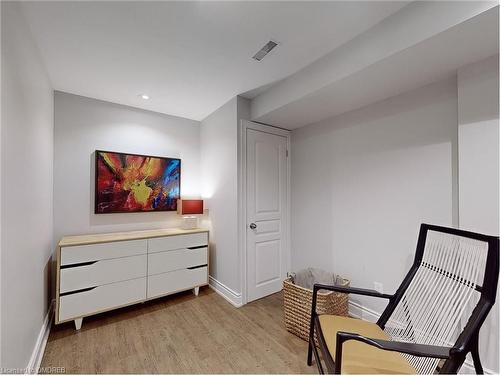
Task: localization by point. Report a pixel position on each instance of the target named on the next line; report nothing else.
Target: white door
(266, 210)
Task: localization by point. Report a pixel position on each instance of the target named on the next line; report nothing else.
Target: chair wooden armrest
(341, 289)
(350, 290)
(419, 350)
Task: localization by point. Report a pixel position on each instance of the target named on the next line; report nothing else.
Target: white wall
(26, 189)
(219, 170)
(478, 142)
(364, 181)
(479, 165)
(83, 125)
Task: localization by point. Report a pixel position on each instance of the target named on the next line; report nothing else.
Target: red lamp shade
(190, 206)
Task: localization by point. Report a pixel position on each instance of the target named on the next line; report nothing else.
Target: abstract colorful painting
(135, 183)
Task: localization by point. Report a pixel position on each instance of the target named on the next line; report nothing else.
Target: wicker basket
(297, 305)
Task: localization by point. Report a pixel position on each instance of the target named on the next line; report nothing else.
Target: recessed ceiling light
(144, 96)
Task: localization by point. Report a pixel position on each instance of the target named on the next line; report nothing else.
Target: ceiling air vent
(264, 50)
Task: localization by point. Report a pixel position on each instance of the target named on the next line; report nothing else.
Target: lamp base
(189, 222)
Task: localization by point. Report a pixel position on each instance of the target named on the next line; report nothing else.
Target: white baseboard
(468, 368)
(230, 295)
(41, 342)
(359, 311)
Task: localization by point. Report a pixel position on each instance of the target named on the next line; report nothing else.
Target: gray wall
(479, 164)
(26, 190)
(219, 169)
(363, 182)
(83, 125)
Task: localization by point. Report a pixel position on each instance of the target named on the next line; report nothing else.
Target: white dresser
(101, 272)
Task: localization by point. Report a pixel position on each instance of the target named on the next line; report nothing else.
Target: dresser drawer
(177, 242)
(89, 253)
(175, 281)
(102, 272)
(176, 259)
(101, 298)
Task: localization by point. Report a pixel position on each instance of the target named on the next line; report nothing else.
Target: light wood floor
(181, 334)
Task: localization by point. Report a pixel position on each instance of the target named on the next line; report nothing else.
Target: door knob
(253, 226)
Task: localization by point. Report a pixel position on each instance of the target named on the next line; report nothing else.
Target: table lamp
(187, 208)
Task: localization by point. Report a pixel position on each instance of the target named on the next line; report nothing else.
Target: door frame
(242, 198)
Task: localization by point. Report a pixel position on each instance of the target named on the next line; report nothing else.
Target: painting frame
(96, 189)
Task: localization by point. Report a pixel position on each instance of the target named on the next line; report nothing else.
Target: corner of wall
(28, 125)
(243, 107)
(219, 149)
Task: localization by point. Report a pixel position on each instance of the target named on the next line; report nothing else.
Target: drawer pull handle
(195, 267)
(79, 264)
(196, 247)
(77, 291)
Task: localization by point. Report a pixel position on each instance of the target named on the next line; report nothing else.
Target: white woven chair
(453, 279)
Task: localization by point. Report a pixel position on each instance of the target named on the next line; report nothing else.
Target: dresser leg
(196, 290)
(78, 323)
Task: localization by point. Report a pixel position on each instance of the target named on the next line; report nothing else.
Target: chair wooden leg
(309, 353)
(475, 355)
(311, 335)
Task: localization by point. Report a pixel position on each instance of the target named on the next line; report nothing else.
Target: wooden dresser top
(89, 239)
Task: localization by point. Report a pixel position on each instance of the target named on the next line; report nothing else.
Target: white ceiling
(429, 61)
(462, 33)
(189, 57)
